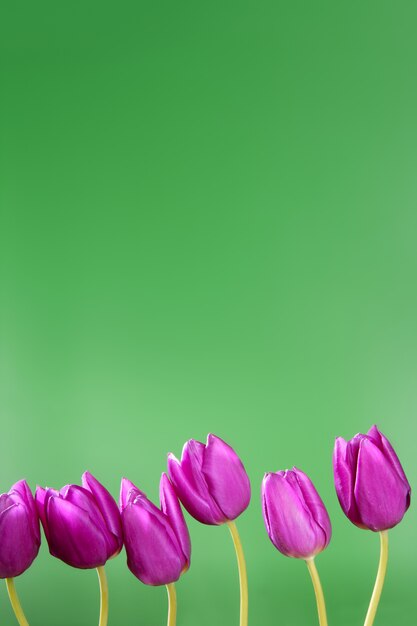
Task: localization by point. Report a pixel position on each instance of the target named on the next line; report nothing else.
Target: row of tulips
(84, 527)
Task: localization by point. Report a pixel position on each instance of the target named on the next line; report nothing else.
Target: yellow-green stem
(172, 604)
(243, 577)
(104, 596)
(380, 577)
(14, 601)
(318, 590)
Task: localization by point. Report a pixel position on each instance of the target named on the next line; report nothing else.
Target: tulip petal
(381, 497)
(78, 496)
(289, 523)
(18, 546)
(386, 448)
(128, 492)
(172, 509)
(23, 490)
(344, 467)
(191, 486)
(40, 501)
(85, 500)
(314, 503)
(25, 494)
(73, 536)
(226, 477)
(107, 505)
(6, 501)
(151, 546)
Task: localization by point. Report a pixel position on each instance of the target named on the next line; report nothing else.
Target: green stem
(318, 590)
(172, 604)
(243, 577)
(104, 596)
(14, 601)
(380, 577)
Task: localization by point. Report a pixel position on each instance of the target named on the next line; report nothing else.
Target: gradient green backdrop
(208, 223)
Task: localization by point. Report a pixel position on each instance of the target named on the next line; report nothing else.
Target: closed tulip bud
(19, 530)
(82, 524)
(210, 480)
(372, 488)
(294, 514)
(157, 541)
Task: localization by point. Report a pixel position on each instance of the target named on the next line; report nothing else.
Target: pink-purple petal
(344, 478)
(106, 504)
(73, 536)
(23, 490)
(128, 492)
(226, 477)
(388, 451)
(80, 497)
(381, 497)
(192, 461)
(201, 506)
(40, 501)
(172, 509)
(152, 555)
(314, 503)
(18, 547)
(289, 523)
(370, 482)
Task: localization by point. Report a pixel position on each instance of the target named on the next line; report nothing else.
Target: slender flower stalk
(172, 604)
(243, 578)
(15, 602)
(318, 590)
(104, 596)
(380, 577)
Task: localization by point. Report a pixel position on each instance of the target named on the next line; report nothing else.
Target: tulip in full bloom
(294, 514)
(157, 540)
(372, 488)
(82, 524)
(19, 530)
(210, 480)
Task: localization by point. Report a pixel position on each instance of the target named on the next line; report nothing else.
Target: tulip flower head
(371, 485)
(157, 540)
(210, 480)
(295, 517)
(82, 524)
(19, 530)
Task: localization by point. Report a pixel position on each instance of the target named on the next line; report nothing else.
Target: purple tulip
(157, 541)
(372, 488)
(294, 514)
(210, 481)
(82, 524)
(19, 530)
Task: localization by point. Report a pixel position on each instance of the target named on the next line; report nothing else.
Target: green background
(208, 223)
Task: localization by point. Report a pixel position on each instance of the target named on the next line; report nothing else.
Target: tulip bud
(372, 488)
(19, 530)
(157, 541)
(295, 517)
(210, 481)
(82, 524)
